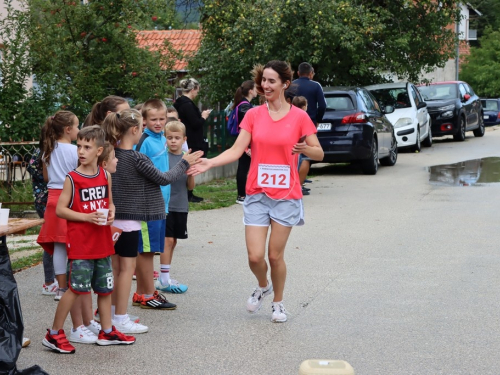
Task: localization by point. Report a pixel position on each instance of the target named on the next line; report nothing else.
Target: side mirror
(388, 109)
(421, 105)
(466, 97)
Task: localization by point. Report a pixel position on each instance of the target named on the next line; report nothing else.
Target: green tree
(348, 42)
(482, 67)
(84, 52)
(21, 110)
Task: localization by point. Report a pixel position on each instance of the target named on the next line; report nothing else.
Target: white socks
(165, 274)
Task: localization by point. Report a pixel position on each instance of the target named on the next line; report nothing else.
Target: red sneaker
(137, 299)
(58, 343)
(114, 338)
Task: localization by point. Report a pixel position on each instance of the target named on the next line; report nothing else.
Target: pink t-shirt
(272, 143)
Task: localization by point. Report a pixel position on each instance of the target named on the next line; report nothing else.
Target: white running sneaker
(50, 290)
(133, 318)
(254, 303)
(26, 342)
(94, 327)
(279, 313)
(128, 326)
(82, 335)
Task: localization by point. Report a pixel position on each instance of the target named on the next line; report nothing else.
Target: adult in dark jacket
(316, 105)
(243, 96)
(193, 119)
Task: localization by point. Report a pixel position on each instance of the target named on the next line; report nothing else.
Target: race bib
(274, 176)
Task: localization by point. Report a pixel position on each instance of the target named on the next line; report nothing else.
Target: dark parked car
(454, 109)
(491, 109)
(355, 129)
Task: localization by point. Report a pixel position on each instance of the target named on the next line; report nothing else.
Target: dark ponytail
(242, 92)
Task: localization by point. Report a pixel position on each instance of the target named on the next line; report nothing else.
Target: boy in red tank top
(86, 194)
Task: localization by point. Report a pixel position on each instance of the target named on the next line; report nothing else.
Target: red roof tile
(185, 41)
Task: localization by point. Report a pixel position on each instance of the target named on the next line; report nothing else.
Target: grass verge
(27, 262)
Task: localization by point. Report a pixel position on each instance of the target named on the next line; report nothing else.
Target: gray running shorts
(259, 210)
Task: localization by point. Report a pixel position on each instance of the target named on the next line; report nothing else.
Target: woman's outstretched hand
(203, 165)
(193, 158)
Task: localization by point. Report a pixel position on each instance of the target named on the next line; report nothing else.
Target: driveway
(390, 273)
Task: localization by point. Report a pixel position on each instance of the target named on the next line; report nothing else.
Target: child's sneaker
(26, 342)
(128, 326)
(279, 313)
(254, 302)
(58, 343)
(97, 318)
(50, 290)
(114, 338)
(158, 302)
(82, 335)
(59, 294)
(172, 287)
(137, 299)
(94, 327)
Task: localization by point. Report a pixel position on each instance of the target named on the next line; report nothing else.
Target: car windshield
(342, 102)
(395, 97)
(439, 92)
(490, 105)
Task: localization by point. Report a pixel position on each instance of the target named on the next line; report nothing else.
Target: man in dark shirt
(316, 105)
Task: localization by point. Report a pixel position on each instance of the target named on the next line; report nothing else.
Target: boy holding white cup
(86, 190)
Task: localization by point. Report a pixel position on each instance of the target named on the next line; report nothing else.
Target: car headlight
(404, 121)
(447, 114)
(447, 107)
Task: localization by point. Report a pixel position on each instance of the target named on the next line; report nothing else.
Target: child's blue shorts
(152, 238)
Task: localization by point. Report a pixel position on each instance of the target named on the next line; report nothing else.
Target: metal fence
(15, 181)
(216, 133)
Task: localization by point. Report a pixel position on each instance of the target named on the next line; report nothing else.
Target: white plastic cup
(4, 216)
(105, 211)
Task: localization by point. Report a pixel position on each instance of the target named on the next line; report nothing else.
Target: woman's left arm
(310, 148)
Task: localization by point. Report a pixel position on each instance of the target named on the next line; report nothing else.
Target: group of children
(106, 216)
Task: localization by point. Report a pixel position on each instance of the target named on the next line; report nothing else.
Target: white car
(411, 120)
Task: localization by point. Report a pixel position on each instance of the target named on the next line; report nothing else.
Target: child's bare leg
(144, 272)
(86, 306)
(123, 283)
(104, 306)
(63, 308)
(166, 256)
(115, 264)
(76, 311)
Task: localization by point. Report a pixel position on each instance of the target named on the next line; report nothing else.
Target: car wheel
(393, 154)
(460, 136)
(479, 132)
(417, 147)
(370, 165)
(428, 141)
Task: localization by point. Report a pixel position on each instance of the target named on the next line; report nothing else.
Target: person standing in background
(316, 105)
(193, 120)
(242, 98)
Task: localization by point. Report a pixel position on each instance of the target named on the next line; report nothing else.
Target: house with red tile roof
(186, 42)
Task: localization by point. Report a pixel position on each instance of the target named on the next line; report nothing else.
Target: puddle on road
(466, 173)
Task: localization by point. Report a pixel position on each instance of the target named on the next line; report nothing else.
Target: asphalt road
(390, 273)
